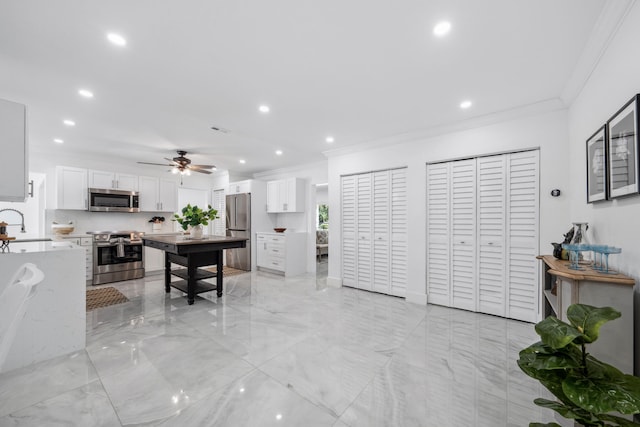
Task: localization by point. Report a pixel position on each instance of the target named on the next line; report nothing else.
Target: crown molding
(606, 27)
(292, 169)
(528, 110)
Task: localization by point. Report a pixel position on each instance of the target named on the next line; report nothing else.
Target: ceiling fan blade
(202, 171)
(202, 166)
(156, 164)
(172, 161)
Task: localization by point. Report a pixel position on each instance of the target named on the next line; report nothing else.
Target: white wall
(548, 131)
(614, 81)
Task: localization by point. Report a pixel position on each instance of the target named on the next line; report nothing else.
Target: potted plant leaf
(589, 391)
(196, 218)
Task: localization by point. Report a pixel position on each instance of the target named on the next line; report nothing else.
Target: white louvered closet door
(492, 215)
(522, 235)
(218, 203)
(438, 234)
(399, 228)
(364, 226)
(380, 243)
(463, 233)
(349, 231)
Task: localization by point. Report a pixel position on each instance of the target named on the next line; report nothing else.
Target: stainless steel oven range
(117, 255)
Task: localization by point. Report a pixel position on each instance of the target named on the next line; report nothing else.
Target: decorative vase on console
(582, 236)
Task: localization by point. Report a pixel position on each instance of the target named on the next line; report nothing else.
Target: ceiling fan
(182, 165)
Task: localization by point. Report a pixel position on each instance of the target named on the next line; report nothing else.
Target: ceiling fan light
(174, 170)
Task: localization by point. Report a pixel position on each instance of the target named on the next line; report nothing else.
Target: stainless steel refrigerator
(238, 214)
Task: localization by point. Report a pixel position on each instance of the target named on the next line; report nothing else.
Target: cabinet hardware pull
(30, 189)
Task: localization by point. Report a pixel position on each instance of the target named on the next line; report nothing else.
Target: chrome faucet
(22, 229)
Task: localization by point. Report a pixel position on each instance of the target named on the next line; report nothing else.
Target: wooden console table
(588, 286)
(192, 253)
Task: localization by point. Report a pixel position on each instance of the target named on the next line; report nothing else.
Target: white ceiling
(360, 70)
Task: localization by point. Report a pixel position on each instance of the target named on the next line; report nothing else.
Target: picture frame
(597, 168)
(622, 146)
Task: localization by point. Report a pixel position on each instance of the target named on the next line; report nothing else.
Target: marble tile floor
(277, 351)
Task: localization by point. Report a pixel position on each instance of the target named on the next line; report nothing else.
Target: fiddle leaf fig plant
(193, 215)
(588, 390)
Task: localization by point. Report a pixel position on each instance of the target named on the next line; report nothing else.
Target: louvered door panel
(364, 193)
(219, 225)
(349, 236)
(438, 234)
(399, 231)
(491, 199)
(522, 235)
(381, 220)
(463, 231)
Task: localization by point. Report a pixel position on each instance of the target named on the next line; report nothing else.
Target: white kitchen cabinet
(286, 195)
(157, 194)
(87, 244)
(153, 260)
(374, 231)
(239, 187)
(281, 253)
(14, 172)
(111, 180)
(70, 189)
(482, 234)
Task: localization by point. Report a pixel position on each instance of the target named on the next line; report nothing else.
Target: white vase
(197, 231)
(156, 226)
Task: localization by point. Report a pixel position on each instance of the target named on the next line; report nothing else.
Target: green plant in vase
(196, 218)
(588, 390)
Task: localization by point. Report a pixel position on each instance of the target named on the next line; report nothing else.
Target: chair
(322, 243)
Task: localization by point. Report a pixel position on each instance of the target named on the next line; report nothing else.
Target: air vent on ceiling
(219, 129)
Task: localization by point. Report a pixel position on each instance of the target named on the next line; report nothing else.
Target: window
(322, 214)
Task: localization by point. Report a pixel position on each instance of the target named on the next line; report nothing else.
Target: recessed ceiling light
(69, 122)
(329, 139)
(279, 152)
(442, 28)
(86, 93)
(264, 108)
(58, 140)
(465, 104)
(242, 161)
(117, 39)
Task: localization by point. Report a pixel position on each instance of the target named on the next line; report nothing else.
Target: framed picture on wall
(622, 144)
(597, 188)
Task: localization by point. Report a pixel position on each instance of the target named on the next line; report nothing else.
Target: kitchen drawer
(276, 239)
(86, 241)
(275, 263)
(276, 252)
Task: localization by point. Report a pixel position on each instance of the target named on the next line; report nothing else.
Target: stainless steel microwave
(108, 200)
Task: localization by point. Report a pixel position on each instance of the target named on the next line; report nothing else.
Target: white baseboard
(334, 282)
(415, 298)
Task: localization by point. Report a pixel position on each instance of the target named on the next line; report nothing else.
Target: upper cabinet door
(273, 197)
(14, 171)
(168, 195)
(101, 179)
(148, 186)
(126, 182)
(71, 188)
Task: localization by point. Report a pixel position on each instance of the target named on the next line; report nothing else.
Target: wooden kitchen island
(192, 254)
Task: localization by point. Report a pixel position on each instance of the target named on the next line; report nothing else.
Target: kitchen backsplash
(84, 221)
